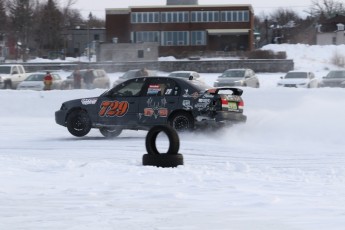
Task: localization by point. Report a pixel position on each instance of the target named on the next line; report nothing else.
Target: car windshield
(35, 77)
(5, 69)
(233, 73)
(183, 75)
(201, 86)
(130, 74)
(296, 75)
(336, 74)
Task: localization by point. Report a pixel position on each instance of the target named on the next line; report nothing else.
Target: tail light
(224, 101)
(241, 104)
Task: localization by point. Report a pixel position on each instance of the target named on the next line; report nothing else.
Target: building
(79, 41)
(183, 27)
(331, 31)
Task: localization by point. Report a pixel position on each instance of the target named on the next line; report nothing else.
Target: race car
(141, 103)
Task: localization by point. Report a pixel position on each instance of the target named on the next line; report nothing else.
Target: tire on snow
(78, 123)
(110, 132)
(174, 141)
(169, 159)
(163, 160)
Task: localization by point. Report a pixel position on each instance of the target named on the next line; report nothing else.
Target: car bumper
(60, 117)
(230, 117)
(222, 117)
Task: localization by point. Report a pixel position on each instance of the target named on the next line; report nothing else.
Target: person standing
(76, 79)
(88, 79)
(48, 81)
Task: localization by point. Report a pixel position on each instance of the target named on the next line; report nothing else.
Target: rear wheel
(182, 121)
(78, 123)
(110, 132)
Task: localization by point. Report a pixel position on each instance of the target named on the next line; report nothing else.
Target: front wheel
(182, 121)
(78, 123)
(110, 132)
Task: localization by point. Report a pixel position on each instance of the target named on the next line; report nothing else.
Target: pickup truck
(11, 76)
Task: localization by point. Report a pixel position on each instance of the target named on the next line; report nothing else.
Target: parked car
(143, 102)
(100, 79)
(11, 75)
(130, 74)
(34, 81)
(299, 79)
(186, 74)
(335, 78)
(237, 77)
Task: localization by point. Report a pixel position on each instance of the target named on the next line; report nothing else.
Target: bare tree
(326, 8)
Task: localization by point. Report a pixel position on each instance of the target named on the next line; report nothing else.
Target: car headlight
(238, 82)
(280, 84)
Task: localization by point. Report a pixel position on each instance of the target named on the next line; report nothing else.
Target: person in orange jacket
(48, 81)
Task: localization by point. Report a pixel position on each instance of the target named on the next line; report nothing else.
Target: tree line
(38, 25)
(288, 26)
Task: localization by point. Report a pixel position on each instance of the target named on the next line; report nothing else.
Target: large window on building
(145, 36)
(175, 17)
(198, 38)
(175, 38)
(205, 16)
(235, 16)
(145, 17)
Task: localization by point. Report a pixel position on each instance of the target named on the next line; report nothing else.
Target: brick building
(183, 27)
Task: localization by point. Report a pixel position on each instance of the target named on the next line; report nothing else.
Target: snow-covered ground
(283, 169)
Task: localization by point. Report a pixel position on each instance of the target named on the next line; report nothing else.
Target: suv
(335, 78)
(238, 77)
(100, 79)
(11, 76)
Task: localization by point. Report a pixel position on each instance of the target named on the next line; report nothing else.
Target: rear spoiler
(235, 91)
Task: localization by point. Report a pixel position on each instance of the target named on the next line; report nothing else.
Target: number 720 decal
(113, 108)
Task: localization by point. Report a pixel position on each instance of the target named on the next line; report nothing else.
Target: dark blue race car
(140, 103)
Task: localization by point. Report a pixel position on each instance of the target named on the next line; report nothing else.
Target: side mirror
(281, 77)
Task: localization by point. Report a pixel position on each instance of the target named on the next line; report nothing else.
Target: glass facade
(183, 37)
(175, 17)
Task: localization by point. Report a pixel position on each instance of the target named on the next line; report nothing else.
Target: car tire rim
(80, 123)
(181, 123)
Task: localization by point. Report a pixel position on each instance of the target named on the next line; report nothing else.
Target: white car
(34, 81)
(299, 79)
(186, 74)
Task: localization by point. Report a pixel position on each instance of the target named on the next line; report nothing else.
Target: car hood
(81, 102)
(233, 79)
(333, 80)
(293, 81)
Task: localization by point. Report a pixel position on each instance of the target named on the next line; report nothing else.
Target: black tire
(182, 121)
(163, 160)
(110, 132)
(174, 141)
(78, 123)
(8, 85)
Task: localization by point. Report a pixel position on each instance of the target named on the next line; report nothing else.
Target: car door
(159, 98)
(250, 78)
(119, 106)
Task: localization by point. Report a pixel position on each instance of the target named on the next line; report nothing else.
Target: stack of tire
(169, 159)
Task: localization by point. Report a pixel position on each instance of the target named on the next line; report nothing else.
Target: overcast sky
(260, 6)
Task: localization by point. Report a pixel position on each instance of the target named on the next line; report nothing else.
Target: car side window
(161, 87)
(129, 88)
(15, 70)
